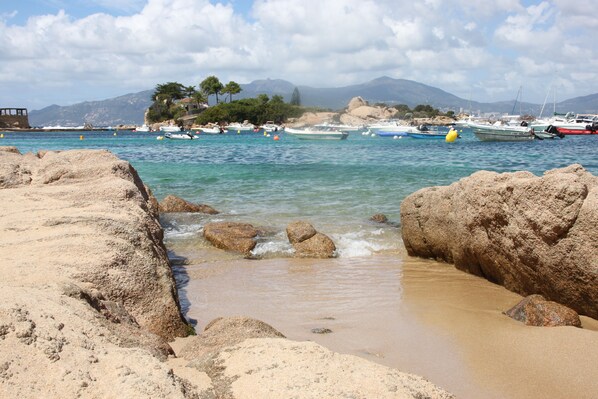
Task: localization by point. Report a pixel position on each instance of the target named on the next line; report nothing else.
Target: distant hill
(130, 108)
(127, 109)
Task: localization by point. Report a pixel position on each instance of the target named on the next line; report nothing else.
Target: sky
(69, 51)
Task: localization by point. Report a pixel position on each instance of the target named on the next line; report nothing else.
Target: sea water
(337, 185)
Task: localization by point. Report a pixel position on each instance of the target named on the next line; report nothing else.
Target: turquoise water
(336, 185)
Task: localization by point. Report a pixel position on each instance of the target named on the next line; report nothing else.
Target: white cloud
(456, 45)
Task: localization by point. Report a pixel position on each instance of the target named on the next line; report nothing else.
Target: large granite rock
(533, 235)
(172, 203)
(231, 236)
(87, 296)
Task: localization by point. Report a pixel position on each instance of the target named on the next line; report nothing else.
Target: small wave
(272, 248)
(360, 244)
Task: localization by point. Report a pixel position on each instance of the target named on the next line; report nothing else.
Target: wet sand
(420, 316)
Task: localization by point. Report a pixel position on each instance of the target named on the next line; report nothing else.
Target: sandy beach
(420, 316)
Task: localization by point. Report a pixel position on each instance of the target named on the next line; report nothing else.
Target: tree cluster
(255, 110)
(165, 97)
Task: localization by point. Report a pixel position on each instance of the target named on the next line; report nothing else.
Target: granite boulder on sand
(533, 235)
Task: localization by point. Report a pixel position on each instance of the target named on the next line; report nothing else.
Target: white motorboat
(319, 134)
(180, 136)
(213, 130)
(143, 128)
(240, 127)
(170, 128)
(271, 127)
(499, 132)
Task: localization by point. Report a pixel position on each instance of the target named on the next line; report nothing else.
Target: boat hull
(317, 134)
(569, 132)
(427, 135)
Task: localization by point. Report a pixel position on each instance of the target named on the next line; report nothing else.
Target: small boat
(213, 130)
(170, 128)
(550, 133)
(309, 134)
(271, 127)
(180, 136)
(240, 127)
(424, 132)
(499, 132)
(587, 129)
(143, 128)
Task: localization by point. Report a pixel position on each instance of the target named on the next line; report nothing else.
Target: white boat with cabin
(317, 134)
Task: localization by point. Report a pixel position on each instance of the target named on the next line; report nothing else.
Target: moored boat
(170, 128)
(501, 132)
(180, 136)
(310, 134)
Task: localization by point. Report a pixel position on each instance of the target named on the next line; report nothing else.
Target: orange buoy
(276, 138)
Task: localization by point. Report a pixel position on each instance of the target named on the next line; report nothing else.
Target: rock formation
(533, 235)
(87, 298)
(308, 243)
(172, 203)
(246, 358)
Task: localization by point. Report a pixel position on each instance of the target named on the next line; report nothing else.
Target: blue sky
(65, 51)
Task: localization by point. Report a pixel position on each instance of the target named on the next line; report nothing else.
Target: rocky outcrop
(87, 297)
(223, 332)
(172, 203)
(379, 218)
(246, 358)
(308, 243)
(231, 236)
(533, 235)
(534, 310)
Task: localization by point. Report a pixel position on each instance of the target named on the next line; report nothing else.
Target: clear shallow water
(336, 185)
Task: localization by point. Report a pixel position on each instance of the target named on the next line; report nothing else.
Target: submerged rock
(534, 310)
(530, 234)
(379, 218)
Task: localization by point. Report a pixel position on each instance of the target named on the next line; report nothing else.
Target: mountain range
(130, 108)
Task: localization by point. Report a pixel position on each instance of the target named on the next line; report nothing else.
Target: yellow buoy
(114, 134)
(1, 135)
(81, 137)
(451, 136)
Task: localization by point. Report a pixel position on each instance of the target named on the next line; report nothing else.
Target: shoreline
(88, 301)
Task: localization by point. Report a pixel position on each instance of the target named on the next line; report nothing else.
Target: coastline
(89, 303)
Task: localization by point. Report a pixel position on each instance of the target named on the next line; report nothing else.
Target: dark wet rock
(175, 204)
(231, 236)
(321, 330)
(533, 235)
(534, 310)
